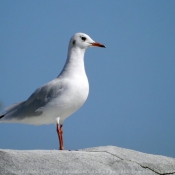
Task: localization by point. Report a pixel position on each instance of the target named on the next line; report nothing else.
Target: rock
(99, 160)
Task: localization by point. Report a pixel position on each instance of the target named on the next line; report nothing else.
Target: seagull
(58, 99)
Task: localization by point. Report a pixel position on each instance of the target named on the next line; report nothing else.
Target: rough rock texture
(100, 160)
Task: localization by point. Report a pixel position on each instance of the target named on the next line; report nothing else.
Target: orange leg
(60, 135)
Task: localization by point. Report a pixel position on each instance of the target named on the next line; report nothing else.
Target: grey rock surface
(99, 160)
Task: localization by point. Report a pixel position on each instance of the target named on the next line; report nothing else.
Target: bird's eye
(83, 38)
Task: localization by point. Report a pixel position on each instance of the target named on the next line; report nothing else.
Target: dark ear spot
(73, 42)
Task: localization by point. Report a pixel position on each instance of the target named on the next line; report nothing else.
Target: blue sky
(132, 98)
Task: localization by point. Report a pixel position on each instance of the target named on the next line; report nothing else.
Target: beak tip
(98, 45)
(103, 46)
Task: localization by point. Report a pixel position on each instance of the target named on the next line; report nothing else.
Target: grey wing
(11, 108)
(37, 100)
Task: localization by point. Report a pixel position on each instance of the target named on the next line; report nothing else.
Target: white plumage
(59, 98)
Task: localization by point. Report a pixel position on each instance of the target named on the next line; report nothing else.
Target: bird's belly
(66, 104)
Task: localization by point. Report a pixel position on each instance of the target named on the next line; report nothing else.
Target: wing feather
(37, 100)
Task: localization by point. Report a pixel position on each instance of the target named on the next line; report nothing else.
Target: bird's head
(83, 41)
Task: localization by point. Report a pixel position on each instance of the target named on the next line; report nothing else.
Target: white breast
(74, 94)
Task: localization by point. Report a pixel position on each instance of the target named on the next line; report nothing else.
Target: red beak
(98, 44)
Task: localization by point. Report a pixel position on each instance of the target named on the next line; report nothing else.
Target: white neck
(75, 63)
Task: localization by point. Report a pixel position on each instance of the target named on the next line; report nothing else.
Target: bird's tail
(1, 116)
(10, 109)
